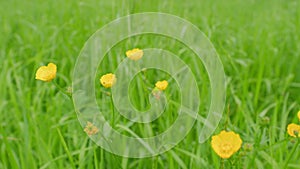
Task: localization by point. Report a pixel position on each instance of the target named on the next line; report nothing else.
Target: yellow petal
(161, 85)
(299, 115)
(226, 144)
(293, 129)
(135, 54)
(108, 80)
(46, 73)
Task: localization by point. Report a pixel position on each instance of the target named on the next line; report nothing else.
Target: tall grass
(258, 43)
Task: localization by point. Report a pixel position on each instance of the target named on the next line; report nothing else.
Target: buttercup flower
(135, 54)
(46, 73)
(293, 130)
(161, 85)
(226, 143)
(108, 80)
(299, 115)
(90, 129)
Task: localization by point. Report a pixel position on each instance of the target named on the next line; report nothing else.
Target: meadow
(258, 43)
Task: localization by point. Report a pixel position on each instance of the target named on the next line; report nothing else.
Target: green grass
(258, 43)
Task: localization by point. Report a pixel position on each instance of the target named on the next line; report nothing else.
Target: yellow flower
(46, 73)
(135, 54)
(161, 85)
(108, 80)
(293, 130)
(226, 143)
(299, 115)
(90, 129)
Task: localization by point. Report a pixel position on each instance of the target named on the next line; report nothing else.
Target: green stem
(222, 164)
(113, 112)
(105, 92)
(291, 154)
(227, 117)
(102, 159)
(65, 146)
(155, 158)
(61, 89)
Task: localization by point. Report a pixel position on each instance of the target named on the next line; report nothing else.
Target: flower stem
(61, 89)
(113, 111)
(155, 159)
(227, 117)
(291, 154)
(222, 164)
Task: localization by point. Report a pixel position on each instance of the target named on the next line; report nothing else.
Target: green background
(258, 43)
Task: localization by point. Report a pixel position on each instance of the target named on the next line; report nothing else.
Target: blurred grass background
(258, 43)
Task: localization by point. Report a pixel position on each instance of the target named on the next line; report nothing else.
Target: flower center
(226, 148)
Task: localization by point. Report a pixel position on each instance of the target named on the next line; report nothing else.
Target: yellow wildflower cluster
(48, 73)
